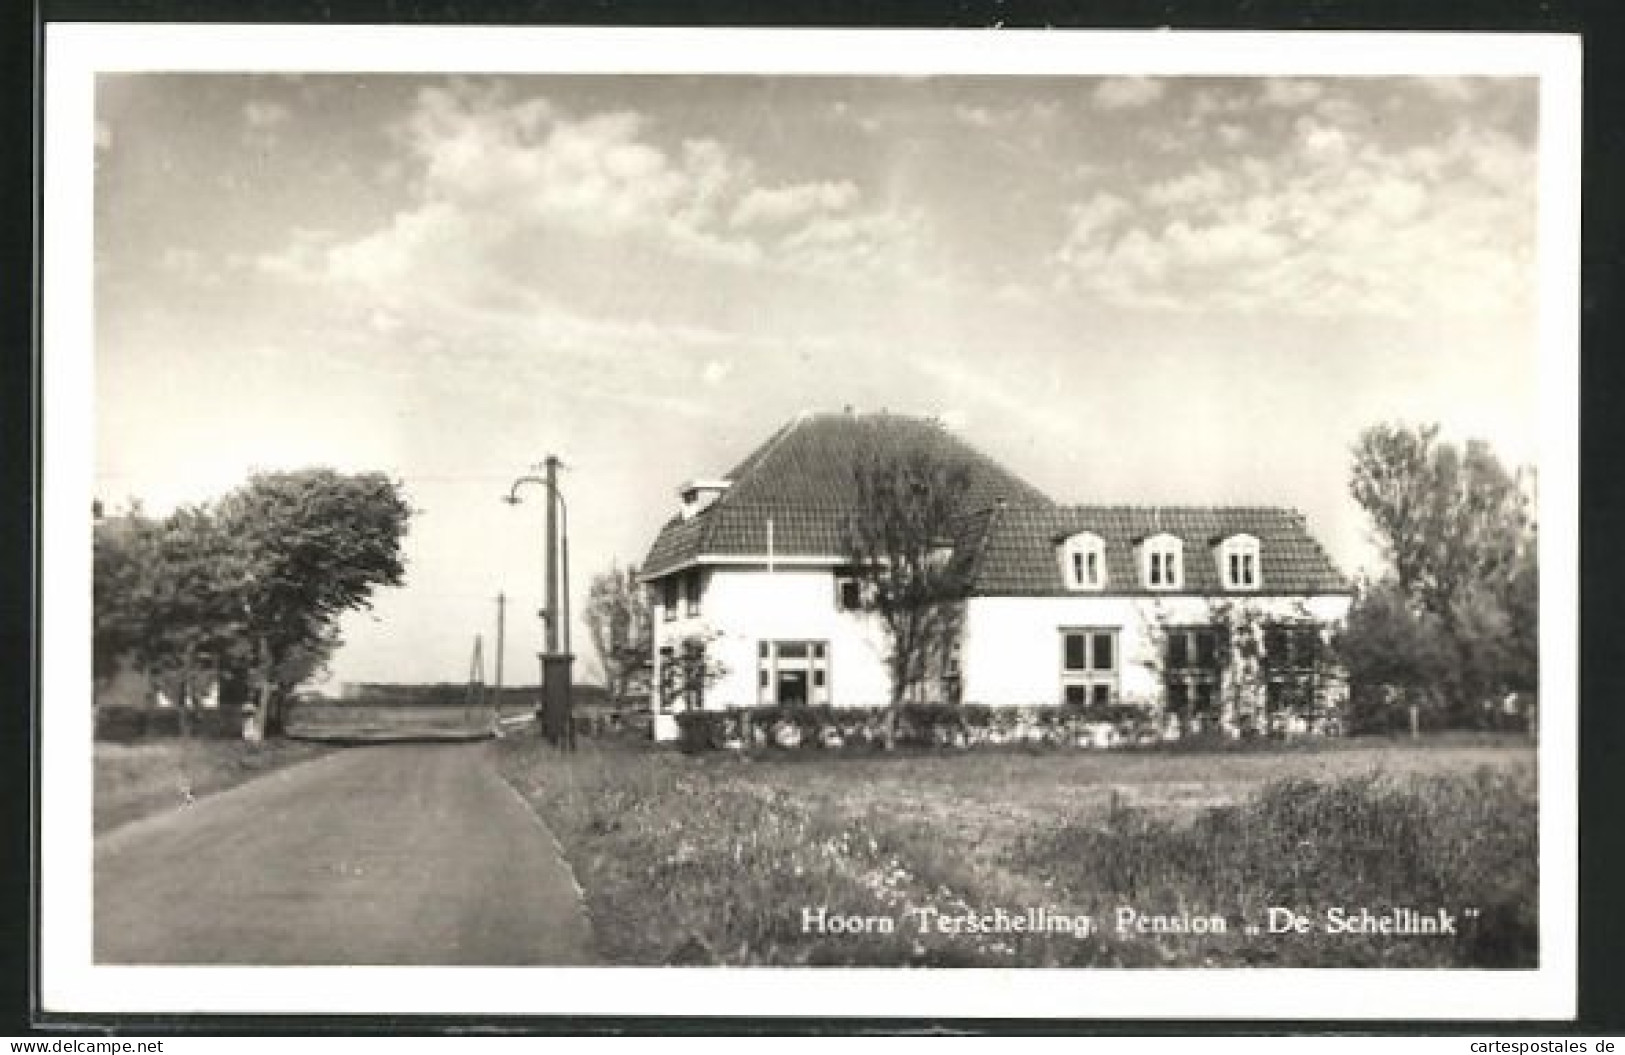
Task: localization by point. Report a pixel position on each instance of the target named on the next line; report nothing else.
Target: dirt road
(400, 854)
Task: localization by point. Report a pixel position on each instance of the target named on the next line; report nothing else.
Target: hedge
(918, 724)
(118, 722)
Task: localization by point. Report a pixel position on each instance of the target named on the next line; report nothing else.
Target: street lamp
(557, 724)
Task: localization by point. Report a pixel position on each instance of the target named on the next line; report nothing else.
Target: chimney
(700, 495)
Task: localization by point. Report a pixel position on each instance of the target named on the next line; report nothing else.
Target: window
(1239, 565)
(1190, 672)
(848, 594)
(668, 596)
(693, 585)
(1077, 652)
(1207, 648)
(1088, 665)
(792, 673)
(1191, 647)
(1292, 659)
(1083, 561)
(1161, 559)
(1291, 646)
(1179, 651)
(1100, 652)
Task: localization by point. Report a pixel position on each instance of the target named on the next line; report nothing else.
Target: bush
(922, 725)
(1453, 842)
(123, 724)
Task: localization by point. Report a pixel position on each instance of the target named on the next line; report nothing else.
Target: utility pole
(557, 723)
(552, 556)
(476, 679)
(502, 603)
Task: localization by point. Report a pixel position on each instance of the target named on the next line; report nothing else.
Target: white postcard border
(70, 982)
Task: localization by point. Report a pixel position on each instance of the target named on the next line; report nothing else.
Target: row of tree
(1452, 625)
(248, 588)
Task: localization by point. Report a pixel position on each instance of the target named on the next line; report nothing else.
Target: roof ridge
(980, 558)
(755, 458)
(743, 471)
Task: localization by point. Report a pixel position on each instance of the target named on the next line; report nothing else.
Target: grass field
(136, 780)
(721, 858)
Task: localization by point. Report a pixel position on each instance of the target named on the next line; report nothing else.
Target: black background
(1602, 678)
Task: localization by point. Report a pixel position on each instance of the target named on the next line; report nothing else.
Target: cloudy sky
(1177, 290)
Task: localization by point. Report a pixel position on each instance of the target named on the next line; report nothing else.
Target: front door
(793, 673)
(793, 688)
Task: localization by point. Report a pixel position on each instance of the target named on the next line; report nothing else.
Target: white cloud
(489, 172)
(261, 114)
(1007, 395)
(774, 206)
(1093, 217)
(1322, 142)
(1334, 222)
(1125, 93)
(976, 116)
(1452, 89)
(190, 265)
(1289, 93)
(1208, 102)
(1198, 187)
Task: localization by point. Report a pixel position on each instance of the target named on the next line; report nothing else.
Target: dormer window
(1083, 561)
(1162, 562)
(700, 495)
(1239, 566)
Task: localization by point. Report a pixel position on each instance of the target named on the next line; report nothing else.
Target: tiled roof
(1018, 555)
(804, 480)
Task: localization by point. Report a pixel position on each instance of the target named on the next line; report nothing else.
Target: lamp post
(557, 723)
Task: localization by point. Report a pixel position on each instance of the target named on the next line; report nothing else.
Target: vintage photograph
(822, 520)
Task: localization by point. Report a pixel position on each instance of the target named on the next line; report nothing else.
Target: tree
(193, 621)
(687, 671)
(898, 541)
(313, 544)
(1448, 519)
(621, 628)
(1458, 614)
(163, 598)
(1398, 657)
(122, 557)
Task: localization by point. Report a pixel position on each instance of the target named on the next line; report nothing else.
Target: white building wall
(1010, 654)
(743, 606)
(1011, 651)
